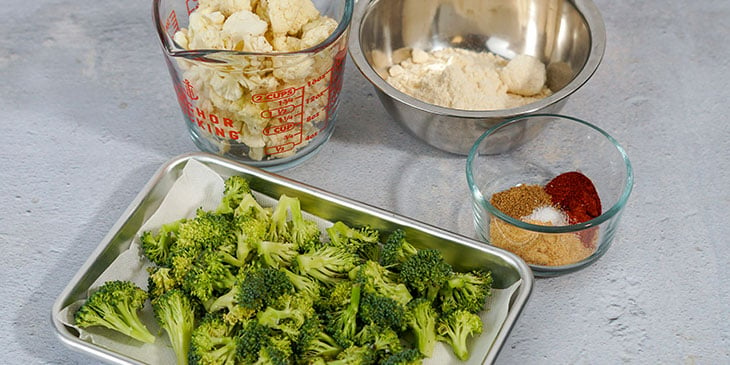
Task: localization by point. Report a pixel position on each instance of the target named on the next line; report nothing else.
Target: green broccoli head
(250, 208)
(261, 287)
(207, 231)
(422, 318)
(383, 311)
(342, 323)
(355, 355)
(248, 233)
(252, 337)
(396, 249)
(175, 313)
(314, 343)
(304, 284)
(467, 291)
(287, 313)
(365, 241)
(276, 254)
(328, 264)
(378, 279)
(425, 272)
(157, 247)
(406, 356)
(213, 341)
(160, 280)
(115, 305)
(456, 327)
(384, 340)
(208, 276)
(235, 189)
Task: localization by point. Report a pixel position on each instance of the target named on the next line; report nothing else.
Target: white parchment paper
(200, 187)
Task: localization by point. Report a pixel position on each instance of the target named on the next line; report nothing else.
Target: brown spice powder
(549, 249)
(520, 200)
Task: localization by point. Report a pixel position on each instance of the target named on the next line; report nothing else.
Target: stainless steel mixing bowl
(568, 36)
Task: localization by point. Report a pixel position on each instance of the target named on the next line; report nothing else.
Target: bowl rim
(615, 209)
(586, 8)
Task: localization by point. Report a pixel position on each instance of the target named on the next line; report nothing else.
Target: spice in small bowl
(569, 198)
(554, 200)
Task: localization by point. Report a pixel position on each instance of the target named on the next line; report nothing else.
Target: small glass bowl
(564, 144)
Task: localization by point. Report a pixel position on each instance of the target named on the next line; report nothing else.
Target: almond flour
(469, 80)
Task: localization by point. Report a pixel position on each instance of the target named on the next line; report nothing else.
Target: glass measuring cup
(270, 109)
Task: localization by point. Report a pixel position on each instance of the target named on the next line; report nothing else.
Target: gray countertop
(88, 115)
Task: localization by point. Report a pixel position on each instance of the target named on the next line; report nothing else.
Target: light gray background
(88, 114)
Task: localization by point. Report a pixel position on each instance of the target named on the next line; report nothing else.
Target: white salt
(548, 214)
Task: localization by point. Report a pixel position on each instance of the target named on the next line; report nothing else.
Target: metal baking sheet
(462, 252)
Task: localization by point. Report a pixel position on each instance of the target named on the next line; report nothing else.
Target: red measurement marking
(274, 96)
(189, 90)
(279, 129)
(191, 5)
(171, 23)
(311, 136)
(278, 112)
(273, 150)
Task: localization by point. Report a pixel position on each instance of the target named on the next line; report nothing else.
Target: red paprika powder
(575, 194)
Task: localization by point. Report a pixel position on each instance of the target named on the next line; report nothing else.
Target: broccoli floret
(208, 276)
(422, 318)
(287, 314)
(252, 337)
(276, 254)
(381, 339)
(383, 311)
(303, 233)
(249, 208)
(207, 231)
(279, 227)
(467, 291)
(406, 356)
(115, 305)
(303, 284)
(261, 287)
(213, 342)
(235, 189)
(396, 249)
(175, 313)
(355, 355)
(364, 241)
(425, 272)
(274, 354)
(342, 324)
(327, 264)
(378, 279)
(256, 288)
(456, 327)
(249, 232)
(314, 343)
(156, 247)
(160, 280)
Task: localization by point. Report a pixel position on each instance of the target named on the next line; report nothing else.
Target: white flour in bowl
(469, 80)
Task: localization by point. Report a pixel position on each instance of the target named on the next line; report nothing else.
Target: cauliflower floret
(240, 27)
(293, 68)
(226, 85)
(287, 16)
(204, 31)
(287, 44)
(181, 38)
(316, 31)
(227, 7)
